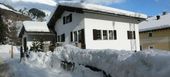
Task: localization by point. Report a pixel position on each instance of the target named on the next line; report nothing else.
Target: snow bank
(40, 65)
(147, 63)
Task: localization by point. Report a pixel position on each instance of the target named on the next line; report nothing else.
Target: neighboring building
(155, 32)
(35, 31)
(93, 26)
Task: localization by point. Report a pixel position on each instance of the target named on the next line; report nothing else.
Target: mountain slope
(10, 18)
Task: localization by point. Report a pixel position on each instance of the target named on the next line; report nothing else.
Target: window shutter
(71, 36)
(115, 35)
(134, 35)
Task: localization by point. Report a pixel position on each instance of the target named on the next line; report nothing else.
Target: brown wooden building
(155, 32)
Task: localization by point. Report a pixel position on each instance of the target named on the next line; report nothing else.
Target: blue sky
(149, 7)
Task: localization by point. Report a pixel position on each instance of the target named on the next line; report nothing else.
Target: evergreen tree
(37, 14)
(3, 31)
(37, 46)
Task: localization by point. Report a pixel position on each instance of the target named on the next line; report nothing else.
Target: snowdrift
(147, 63)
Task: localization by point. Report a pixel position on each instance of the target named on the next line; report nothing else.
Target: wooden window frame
(97, 35)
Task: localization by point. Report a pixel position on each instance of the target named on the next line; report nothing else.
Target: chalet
(31, 31)
(155, 32)
(91, 26)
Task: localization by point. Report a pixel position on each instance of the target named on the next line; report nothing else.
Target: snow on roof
(152, 23)
(34, 26)
(4, 7)
(100, 8)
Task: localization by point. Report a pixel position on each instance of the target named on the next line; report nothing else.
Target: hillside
(9, 17)
(11, 14)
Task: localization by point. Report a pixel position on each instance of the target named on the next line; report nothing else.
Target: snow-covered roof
(34, 26)
(100, 8)
(152, 23)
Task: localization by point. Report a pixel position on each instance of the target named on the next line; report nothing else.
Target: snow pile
(40, 65)
(147, 63)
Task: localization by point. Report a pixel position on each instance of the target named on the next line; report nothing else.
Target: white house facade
(92, 26)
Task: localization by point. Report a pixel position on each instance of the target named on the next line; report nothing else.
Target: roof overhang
(152, 30)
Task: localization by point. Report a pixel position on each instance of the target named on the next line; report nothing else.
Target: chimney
(157, 17)
(164, 13)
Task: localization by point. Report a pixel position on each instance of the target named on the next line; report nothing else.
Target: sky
(148, 7)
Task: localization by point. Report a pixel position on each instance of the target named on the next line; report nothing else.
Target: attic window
(67, 19)
(150, 34)
(131, 34)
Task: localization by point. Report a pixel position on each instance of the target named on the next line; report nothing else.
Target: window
(131, 34)
(96, 34)
(71, 36)
(151, 47)
(79, 35)
(64, 20)
(75, 36)
(110, 34)
(150, 34)
(105, 35)
(67, 19)
(63, 38)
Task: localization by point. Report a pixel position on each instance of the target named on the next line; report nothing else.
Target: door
(25, 44)
(82, 38)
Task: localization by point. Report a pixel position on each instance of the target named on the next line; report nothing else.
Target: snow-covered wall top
(34, 26)
(101, 8)
(153, 23)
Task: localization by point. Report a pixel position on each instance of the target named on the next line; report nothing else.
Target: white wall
(95, 21)
(76, 24)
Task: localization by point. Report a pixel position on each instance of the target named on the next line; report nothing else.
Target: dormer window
(157, 17)
(67, 19)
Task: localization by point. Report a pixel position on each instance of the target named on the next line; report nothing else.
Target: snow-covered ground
(147, 63)
(5, 52)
